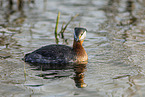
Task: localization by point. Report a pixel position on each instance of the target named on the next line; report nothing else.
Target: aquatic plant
(63, 28)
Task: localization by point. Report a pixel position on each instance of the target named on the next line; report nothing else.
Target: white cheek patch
(83, 36)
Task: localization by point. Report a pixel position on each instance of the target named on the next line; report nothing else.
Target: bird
(61, 54)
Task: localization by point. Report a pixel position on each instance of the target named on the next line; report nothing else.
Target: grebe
(61, 54)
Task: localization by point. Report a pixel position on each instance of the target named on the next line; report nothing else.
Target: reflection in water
(20, 3)
(124, 18)
(129, 9)
(133, 81)
(135, 86)
(10, 4)
(79, 70)
(13, 16)
(121, 17)
(123, 46)
(56, 71)
(113, 12)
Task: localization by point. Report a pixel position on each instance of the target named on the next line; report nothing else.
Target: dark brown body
(58, 54)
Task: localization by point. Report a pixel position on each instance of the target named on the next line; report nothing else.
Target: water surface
(115, 45)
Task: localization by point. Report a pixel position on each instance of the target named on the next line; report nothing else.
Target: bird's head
(79, 34)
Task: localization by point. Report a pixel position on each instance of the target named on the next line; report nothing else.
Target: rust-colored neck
(81, 53)
(77, 44)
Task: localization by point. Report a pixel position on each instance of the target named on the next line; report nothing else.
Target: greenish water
(115, 45)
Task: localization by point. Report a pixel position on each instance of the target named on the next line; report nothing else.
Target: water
(115, 46)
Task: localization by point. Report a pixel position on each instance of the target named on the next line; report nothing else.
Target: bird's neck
(77, 44)
(80, 51)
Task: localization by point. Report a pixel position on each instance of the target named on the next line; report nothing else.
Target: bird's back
(52, 54)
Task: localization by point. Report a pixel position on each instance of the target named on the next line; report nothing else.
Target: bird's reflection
(79, 70)
(55, 71)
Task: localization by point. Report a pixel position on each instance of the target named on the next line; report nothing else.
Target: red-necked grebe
(61, 54)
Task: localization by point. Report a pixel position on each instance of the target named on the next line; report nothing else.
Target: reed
(64, 28)
(56, 28)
